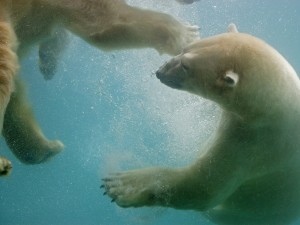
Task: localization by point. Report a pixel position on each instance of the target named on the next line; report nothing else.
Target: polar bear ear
(232, 28)
(231, 78)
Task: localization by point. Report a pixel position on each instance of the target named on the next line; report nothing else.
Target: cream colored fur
(250, 172)
(106, 24)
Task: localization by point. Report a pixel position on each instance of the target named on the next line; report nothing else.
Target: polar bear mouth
(169, 80)
(172, 84)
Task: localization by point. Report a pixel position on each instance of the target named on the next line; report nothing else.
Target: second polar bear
(106, 24)
(250, 172)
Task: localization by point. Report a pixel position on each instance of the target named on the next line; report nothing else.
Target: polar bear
(250, 171)
(105, 24)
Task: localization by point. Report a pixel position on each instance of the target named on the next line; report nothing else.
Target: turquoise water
(113, 114)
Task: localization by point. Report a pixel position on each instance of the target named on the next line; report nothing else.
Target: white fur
(250, 171)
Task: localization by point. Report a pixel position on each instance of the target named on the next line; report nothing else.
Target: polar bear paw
(53, 148)
(45, 153)
(189, 34)
(136, 188)
(50, 51)
(5, 166)
(35, 154)
(180, 35)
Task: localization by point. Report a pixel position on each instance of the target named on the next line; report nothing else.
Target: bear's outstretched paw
(181, 35)
(50, 51)
(5, 166)
(147, 187)
(53, 148)
(48, 66)
(192, 34)
(38, 154)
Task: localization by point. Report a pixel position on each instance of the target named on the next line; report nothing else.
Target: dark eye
(229, 81)
(184, 66)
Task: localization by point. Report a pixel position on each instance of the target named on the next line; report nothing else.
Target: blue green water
(113, 114)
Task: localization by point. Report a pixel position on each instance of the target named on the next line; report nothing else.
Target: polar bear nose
(159, 74)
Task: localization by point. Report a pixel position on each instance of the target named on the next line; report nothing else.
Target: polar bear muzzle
(173, 73)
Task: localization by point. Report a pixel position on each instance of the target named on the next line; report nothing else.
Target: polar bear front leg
(187, 188)
(200, 186)
(5, 166)
(122, 26)
(139, 28)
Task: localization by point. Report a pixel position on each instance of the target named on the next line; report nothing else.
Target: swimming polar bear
(106, 24)
(250, 172)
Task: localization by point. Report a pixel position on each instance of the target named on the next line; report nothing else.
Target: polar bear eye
(229, 81)
(231, 78)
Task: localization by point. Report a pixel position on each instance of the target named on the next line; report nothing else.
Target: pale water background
(113, 114)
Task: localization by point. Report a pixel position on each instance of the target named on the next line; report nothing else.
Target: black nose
(158, 74)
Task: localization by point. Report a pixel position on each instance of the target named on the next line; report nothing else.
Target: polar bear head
(238, 71)
(206, 68)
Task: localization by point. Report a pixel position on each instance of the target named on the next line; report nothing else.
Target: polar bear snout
(172, 73)
(169, 80)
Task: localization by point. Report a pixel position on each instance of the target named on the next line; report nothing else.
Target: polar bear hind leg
(50, 52)
(22, 133)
